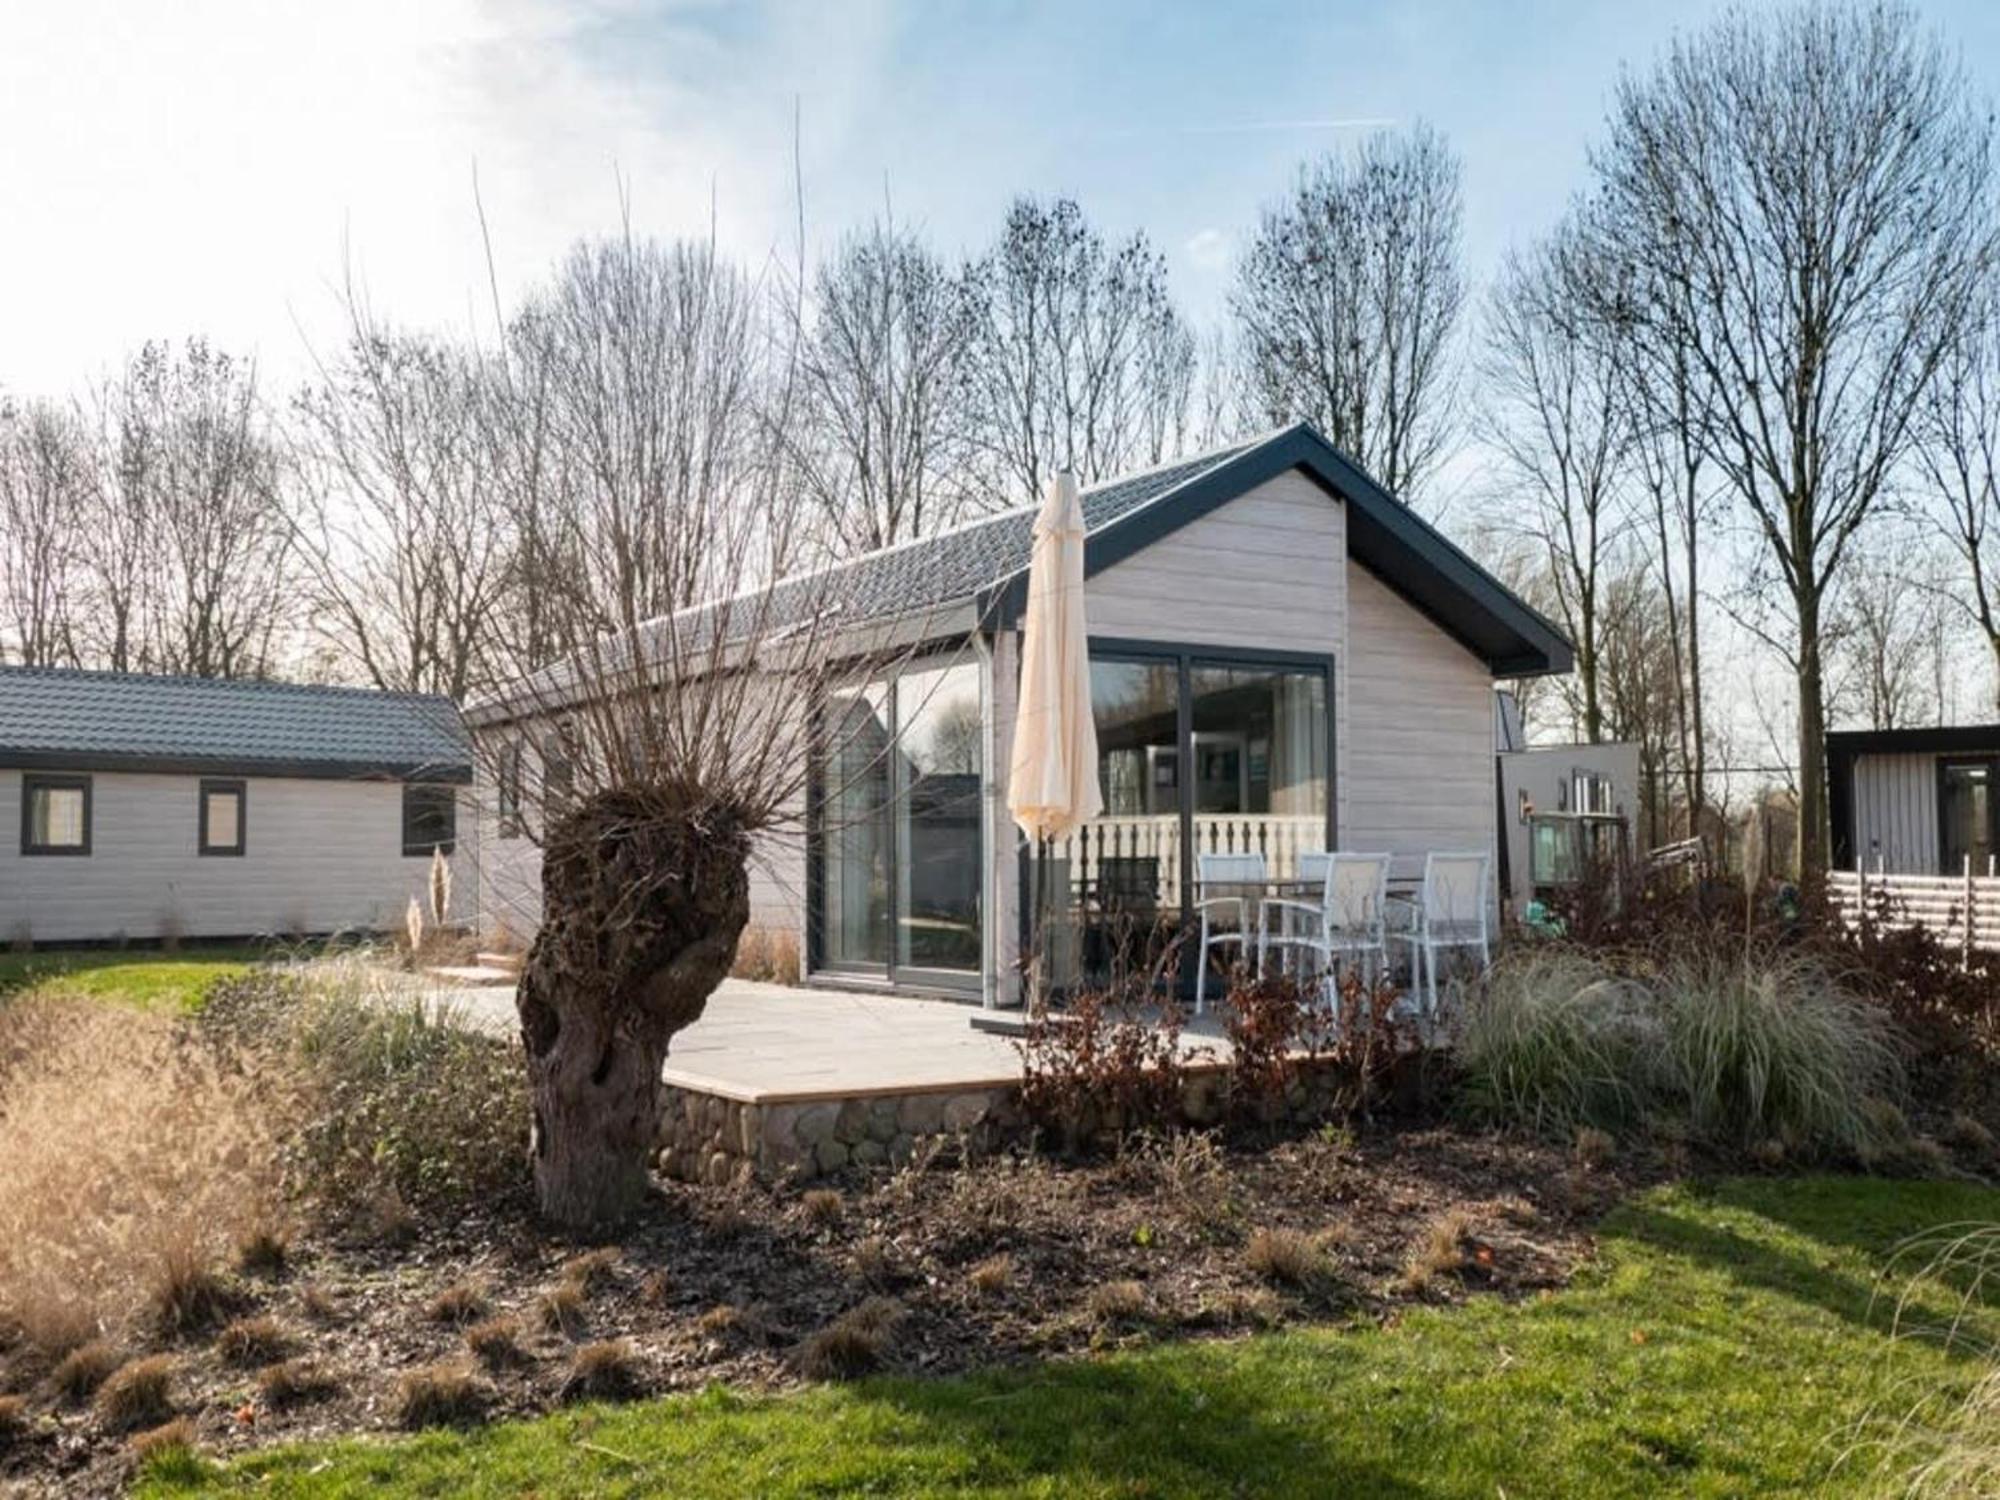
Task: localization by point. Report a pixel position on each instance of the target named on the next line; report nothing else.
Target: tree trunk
(644, 895)
(1812, 743)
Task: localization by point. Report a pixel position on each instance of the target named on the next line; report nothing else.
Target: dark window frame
(216, 785)
(423, 848)
(34, 781)
(1945, 765)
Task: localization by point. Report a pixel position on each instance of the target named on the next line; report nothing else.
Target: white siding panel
(1896, 813)
(321, 856)
(1419, 771)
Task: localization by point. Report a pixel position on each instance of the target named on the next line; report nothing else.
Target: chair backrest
(1128, 882)
(1455, 889)
(1357, 891)
(1312, 867)
(1229, 869)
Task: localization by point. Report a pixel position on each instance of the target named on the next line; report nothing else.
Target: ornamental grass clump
(1769, 1044)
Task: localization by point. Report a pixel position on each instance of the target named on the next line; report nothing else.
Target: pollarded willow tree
(662, 692)
(1800, 205)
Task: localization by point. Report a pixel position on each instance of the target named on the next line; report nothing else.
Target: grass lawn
(1724, 1345)
(146, 979)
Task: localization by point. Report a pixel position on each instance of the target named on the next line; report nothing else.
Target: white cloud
(205, 167)
(1208, 250)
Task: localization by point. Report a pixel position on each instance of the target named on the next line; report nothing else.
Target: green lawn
(1725, 1344)
(146, 979)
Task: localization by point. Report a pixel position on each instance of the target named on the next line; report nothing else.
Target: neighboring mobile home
(166, 807)
(1284, 658)
(1566, 811)
(1916, 801)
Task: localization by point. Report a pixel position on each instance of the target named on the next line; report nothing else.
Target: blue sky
(213, 166)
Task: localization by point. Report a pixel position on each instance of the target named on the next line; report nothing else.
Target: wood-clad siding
(1418, 770)
(320, 856)
(1896, 813)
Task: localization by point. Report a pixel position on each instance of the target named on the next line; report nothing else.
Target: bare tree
(1079, 360)
(881, 368)
(1885, 633)
(1803, 196)
(44, 491)
(1959, 445)
(198, 462)
(403, 533)
(1553, 414)
(1348, 303)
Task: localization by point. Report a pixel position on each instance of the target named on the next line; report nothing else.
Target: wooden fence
(1962, 910)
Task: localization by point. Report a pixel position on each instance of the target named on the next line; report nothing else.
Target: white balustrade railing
(1962, 910)
(1120, 853)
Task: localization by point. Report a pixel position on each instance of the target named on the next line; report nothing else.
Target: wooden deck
(767, 1044)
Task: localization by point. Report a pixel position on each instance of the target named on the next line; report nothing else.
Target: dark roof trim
(457, 774)
(1391, 540)
(1953, 739)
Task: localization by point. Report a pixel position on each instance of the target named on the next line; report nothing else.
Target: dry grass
(874, 1262)
(317, 1303)
(822, 1206)
(134, 1157)
(991, 1275)
(253, 1341)
(156, 1444)
(608, 1370)
(262, 1250)
(1285, 1257)
(449, 1394)
(853, 1344)
(1440, 1252)
(727, 1323)
(13, 1420)
(1113, 1303)
(293, 1382)
(81, 1371)
(1594, 1147)
(188, 1292)
(591, 1271)
(1968, 1134)
(495, 1342)
(657, 1290)
(138, 1393)
(561, 1309)
(458, 1304)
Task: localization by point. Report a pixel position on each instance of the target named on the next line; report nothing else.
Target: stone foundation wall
(707, 1138)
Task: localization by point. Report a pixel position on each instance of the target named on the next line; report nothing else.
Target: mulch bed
(1481, 1214)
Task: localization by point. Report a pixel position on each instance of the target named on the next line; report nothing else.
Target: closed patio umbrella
(1052, 776)
(1052, 779)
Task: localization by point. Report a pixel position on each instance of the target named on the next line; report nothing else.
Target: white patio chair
(1349, 922)
(1213, 871)
(1450, 911)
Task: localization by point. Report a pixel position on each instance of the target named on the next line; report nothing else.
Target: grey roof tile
(113, 719)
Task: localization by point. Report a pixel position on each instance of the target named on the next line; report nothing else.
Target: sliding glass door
(1198, 752)
(1968, 815)
(895, 827)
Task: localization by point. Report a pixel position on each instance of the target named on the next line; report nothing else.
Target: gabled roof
(1388, 538)
(127, 721)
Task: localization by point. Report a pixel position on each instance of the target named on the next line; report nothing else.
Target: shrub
(449, 1394)
(604, 1371)
(1105, 1066)
(1768, 1043)
(138, 1393)
(293, 1382)
(135, 1158)
(1285, 1257)
(170, 1441)
(84, 1369)
(852, 1344)
(396, 1097)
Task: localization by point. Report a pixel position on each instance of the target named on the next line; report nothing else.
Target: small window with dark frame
(558, 775)
(55, 814)
(510, 790)
(430, 818)
(223, 805)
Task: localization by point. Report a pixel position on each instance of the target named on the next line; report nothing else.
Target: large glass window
(854, 830)
(1259, 762)
(1968, 811)
(898, 836)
